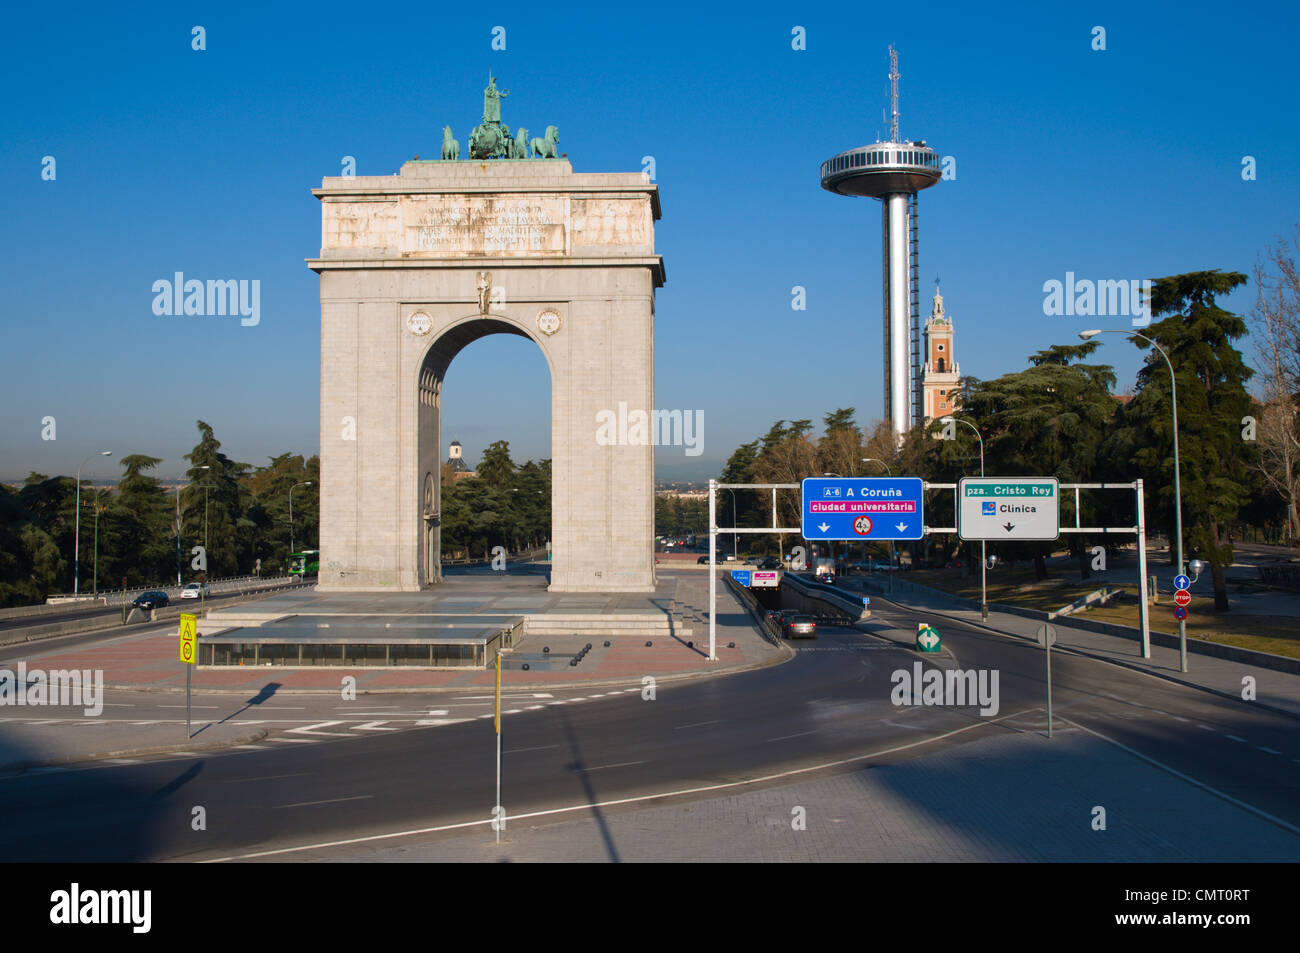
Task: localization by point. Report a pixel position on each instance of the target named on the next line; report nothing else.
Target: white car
(194, 590)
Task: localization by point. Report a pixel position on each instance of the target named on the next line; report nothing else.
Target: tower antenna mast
(893, 94)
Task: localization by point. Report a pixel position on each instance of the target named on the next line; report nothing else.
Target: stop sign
(1182, 597)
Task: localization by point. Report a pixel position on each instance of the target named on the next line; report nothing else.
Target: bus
(305, 563)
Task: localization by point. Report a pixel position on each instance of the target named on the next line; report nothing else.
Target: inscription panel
(496, 226)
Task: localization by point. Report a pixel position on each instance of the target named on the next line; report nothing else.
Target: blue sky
(1117, 164)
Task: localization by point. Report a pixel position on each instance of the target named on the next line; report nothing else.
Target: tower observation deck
(893, 172)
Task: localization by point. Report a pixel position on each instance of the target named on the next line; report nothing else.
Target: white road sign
(1008, 508)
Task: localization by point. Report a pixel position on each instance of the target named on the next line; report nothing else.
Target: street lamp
(291, 489)
(76, 546)
(892, 567)
(179, 489)
(984, 559)
(1178, 488)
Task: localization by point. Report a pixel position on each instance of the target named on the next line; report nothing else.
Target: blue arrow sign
(862, 509)
(1182, 582)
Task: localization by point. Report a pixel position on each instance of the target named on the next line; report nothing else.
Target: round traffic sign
(1046, 634)
(187, 650)
(1180, 613)
(1182, 597)
(862, 525)
(1182, 582)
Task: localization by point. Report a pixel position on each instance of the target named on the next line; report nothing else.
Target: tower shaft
(898, 311)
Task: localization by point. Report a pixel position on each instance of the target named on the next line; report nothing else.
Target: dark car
(771, 562)
(153, 599)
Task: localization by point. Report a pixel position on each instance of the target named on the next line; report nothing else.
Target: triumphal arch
(415, 266)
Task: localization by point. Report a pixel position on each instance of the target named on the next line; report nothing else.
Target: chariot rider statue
(492, 101)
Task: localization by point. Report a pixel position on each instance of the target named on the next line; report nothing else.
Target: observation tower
(894, 172)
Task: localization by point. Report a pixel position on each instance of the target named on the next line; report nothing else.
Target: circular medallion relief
(548, 321)
(419, 323)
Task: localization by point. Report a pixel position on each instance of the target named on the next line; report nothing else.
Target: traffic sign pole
(188, 654)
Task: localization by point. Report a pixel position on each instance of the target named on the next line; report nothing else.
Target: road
(828, 706)
(110, 612)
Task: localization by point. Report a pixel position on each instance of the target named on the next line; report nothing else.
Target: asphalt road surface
(828, 706)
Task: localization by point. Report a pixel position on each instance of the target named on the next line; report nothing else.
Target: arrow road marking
(311, 729)
(373, 726)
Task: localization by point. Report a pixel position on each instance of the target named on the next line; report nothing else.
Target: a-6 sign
(1008, 508)
(862, 509)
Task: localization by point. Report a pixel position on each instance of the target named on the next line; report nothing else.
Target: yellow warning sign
(189, 636)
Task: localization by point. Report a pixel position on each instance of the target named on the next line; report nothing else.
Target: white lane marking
(311, 729)
(434, 722)
(293, 741)
(598, 695)
(1190, 780)
(335, 800)
(55, 721)
(195, 707)
(699, 724)
(799, 735)
(1235, 738)
(436, 711)
(534, 707)
(1205, 727)
(538, 748)
(512, 711)
(561, 702)
(268, 777)
(602, 767)
(578, 699)
(1268, 750)
(121, 760)
(1179, 717)
(147, 722)
(252, 747)
(373, 726)
(722, 786)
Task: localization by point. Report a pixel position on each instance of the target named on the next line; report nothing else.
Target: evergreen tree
(1211, 374)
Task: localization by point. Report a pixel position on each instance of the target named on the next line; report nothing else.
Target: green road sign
(927, 638)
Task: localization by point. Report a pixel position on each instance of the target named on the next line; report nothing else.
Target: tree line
(503, 504)
(1240, 457)
(130, 531)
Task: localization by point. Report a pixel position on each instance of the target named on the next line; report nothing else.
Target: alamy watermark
(660, 428)
(946, 687)
(1083, 297)
(213, 297)
(66, 687)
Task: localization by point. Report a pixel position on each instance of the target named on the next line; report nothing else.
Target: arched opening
(484, 386)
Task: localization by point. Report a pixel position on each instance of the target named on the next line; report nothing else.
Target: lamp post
(179, 489)
(984, 592)
(76, 546)
(1178, 489)
(892, 567)
(291, 489)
